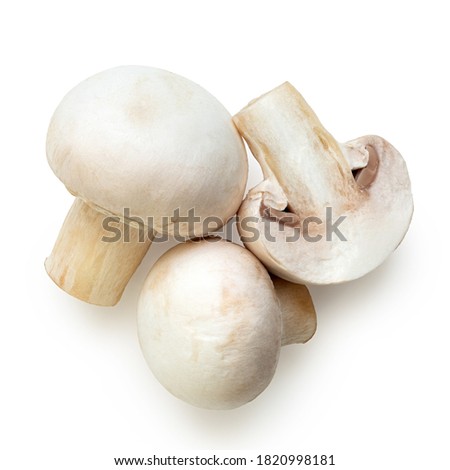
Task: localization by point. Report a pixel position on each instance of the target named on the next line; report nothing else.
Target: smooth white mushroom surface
(210, 323)
(140, 142)
(148, 140)
(325, 213)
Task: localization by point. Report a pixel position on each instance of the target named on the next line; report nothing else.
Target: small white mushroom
(211, 326)
(147, 141)
(325, 213)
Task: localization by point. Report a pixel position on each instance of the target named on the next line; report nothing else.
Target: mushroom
(211, 326)
(143, 150)
(326, 212)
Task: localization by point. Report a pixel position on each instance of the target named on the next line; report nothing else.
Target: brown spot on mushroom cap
(229, 302)
(139, 112)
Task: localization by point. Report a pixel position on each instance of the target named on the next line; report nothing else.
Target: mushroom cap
(209, 324)
(151, 141)
(373, 225)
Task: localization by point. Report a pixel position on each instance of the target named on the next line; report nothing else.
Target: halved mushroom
(144, 151)
(325, 212)
(211, 326)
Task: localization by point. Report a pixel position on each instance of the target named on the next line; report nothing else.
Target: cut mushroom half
(144, 151)
(326, 212)
(211, 325)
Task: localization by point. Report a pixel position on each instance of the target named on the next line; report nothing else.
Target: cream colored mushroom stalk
(211, 325)
(325, 212)
(138, 142)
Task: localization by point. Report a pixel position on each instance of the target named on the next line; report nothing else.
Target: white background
(372, 387)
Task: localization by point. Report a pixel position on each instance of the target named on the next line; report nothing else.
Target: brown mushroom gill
(284, 217)
(364, 177)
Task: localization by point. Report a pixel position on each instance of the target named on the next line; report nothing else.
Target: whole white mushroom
(137, 142)
(211, 326)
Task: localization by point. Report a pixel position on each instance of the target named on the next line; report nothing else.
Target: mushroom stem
(290, 144)
(299, 321)
(94, 258)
